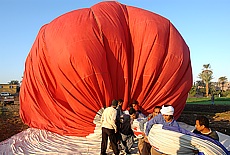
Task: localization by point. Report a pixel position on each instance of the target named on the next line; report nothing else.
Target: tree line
(205, 87)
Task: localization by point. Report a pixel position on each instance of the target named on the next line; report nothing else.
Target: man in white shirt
(109, 128)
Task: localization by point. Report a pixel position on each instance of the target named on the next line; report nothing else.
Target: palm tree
(206, 76)
(222, 80)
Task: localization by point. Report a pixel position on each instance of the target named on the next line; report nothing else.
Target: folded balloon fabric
(38, 141)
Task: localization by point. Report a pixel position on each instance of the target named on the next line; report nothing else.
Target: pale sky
(204, 25)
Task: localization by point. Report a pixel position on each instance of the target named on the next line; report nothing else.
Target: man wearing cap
(165, 118)
(109, 128)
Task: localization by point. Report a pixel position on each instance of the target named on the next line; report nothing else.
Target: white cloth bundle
(175, 143)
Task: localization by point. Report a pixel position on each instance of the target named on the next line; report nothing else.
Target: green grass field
(205, 100)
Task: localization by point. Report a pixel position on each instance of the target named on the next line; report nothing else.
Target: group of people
(117, 126)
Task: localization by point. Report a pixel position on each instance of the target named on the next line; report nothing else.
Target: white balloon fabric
(176, 143)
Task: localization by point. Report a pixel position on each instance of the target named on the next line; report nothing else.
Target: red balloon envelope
(84, 59)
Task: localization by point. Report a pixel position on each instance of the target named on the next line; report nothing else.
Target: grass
(207, 100)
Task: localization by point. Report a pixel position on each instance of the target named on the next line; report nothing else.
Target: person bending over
(127, 135)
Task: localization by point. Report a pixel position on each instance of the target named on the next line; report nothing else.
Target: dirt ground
(219, 116)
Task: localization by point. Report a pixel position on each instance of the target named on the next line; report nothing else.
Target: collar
(207, 133)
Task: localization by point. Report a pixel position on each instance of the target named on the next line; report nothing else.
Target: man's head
(156, 110)
(114, 103)
(202, 122)
(120, 102)
(167, 112)
(132, 113)
(134, 103)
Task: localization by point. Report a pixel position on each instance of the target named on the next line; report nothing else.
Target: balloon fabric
(84, 59)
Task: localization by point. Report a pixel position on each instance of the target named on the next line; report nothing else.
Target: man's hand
(195, 151)
(146, 139)
(143, 134)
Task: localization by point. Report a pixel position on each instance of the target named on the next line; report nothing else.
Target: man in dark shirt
(119, 114)
(127, 135)
(202, 127)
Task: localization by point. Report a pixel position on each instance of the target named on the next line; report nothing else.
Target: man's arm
(149, 126)
(102, 117)
(155, 120)
(113, 121)
(142, 124)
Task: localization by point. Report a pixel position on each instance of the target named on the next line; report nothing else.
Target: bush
(226, 93)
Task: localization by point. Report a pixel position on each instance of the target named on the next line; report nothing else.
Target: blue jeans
(127, 142)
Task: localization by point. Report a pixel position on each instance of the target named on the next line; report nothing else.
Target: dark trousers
(146, 149)
(113, 140)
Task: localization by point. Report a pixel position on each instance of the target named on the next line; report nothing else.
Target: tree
(192, 91)
(222, 80)
(206, 76)
(200, 85)
(15, 82)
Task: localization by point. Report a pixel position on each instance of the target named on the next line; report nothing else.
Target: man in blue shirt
(156, 111)
(166, 119)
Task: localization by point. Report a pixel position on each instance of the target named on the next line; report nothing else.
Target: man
(202, 127)
(127, 135)
(213, 99)
(166, 119)
(155, 112)
(119, 114)
(135, 105)
(119, 108)
(109, 128)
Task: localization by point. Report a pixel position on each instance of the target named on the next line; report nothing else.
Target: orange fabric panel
(84, 59)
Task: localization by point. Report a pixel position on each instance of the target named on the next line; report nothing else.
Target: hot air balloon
(84, 59)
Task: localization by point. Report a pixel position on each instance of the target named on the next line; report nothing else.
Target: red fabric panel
(84, 59)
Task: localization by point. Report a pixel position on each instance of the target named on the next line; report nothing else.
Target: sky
(204, 25)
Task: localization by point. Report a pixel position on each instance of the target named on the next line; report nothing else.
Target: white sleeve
(114, 120)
